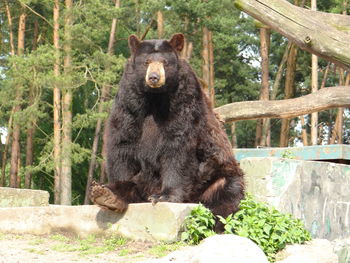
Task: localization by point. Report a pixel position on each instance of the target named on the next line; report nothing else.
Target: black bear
(164, 141)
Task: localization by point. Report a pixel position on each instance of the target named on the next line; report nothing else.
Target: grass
(163, 249)
(92, 245)
(123, 252)
(35, 251)
(37, 241)
(89, 245)
(59, 237)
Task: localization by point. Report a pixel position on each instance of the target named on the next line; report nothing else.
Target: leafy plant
(198, 225)
(270, 229)
(288, 154)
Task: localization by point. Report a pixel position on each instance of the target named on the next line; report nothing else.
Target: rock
(315, 251)
(217, 248)
(315, 192)
(13, 197)
(342, 249)
(142, 222)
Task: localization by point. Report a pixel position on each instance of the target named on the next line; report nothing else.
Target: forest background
(61, 61)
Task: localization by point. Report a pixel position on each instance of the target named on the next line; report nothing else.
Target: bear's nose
(153, 77)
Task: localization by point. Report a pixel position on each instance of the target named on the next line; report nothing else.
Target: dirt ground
(59, 248)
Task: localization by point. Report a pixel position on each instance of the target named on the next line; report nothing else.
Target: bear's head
(155, 63)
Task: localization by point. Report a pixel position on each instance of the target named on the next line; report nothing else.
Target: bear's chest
(151, 134)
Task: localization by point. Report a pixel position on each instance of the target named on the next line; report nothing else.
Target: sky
(3, 133)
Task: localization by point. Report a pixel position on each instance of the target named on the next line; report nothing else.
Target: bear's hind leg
(223, 196)
(104, 197)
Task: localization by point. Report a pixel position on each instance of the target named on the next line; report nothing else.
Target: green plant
(59, 237)
(288, 154)
(198, 225)
(270, 229)
(114, 241)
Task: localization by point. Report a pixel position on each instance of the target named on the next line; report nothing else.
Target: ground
(59, 248)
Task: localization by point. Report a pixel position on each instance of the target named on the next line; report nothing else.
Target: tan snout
(155, 75)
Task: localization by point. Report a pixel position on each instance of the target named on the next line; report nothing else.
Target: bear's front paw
(105, 198)
(154, 199)
(163, 198)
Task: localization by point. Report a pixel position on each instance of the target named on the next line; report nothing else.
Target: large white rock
(218, 248)
(315, 251)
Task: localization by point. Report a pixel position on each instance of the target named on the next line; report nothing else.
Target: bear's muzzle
(155, 75)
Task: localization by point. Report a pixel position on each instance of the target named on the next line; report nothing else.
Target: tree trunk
(15, 149)
(279, 74)
(103, 173)
(9, 19)
(321, 100)
(264, 92)
(211, 68)
(66, 172)
(9, 127)
(160, 24)
(233, 134)
(289, 92)
(314, 88)
(56, 106)
(188, 46)
(325, 75)
(104, 97)
(4, 154)
(205, 60)
(323, 34)
(337, 132)
(18, 178)
(303, 131)
(31, 126)
(29, 155)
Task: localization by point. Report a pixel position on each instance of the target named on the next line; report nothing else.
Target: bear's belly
(150, 144)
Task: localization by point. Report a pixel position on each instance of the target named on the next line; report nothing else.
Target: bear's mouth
(155, 75)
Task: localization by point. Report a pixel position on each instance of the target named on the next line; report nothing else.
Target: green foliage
(198, 225)
(270, 229)
(288, 154)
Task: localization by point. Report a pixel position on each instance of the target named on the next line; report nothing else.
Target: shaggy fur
(166, 144)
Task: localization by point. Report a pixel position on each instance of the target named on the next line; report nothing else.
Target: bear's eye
(165, 62)
(147, 62)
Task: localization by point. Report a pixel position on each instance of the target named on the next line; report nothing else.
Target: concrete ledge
(317, 152)
(14, 197)
(140, 222)
(316, 192)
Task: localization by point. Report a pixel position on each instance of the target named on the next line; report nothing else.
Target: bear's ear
(134, 43)
(177, 42)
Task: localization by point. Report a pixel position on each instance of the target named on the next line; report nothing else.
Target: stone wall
(13, 197)
(316, 192)
(140, 222)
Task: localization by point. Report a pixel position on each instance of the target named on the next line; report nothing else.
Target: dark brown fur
(166, 144)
